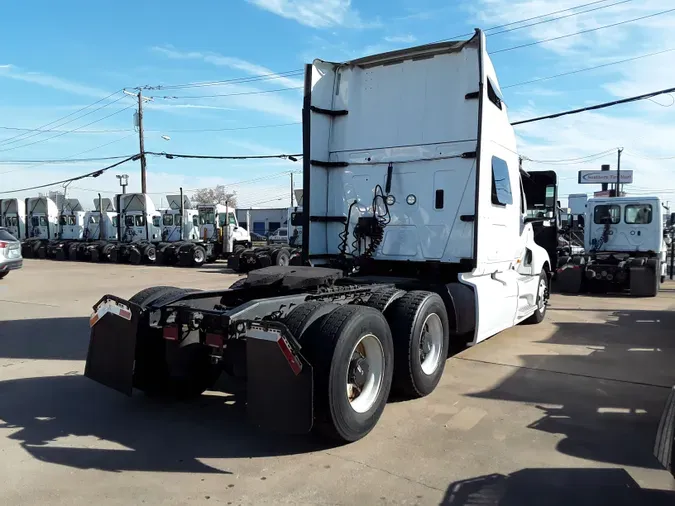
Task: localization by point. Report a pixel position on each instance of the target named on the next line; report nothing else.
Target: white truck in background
(13, 217)
(42, 225)
(625, 248)
(416, 239)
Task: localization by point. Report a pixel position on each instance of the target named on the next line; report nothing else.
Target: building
(263, 221)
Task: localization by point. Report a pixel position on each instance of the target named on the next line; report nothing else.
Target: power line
(567, 160)
(260, 92)
(94, 173)
(228, 129)
(292, 157)
(62, 118)
(595, 107)
(522, 83)
(65, 160)
(119, 130)
(560, 17)
(589, 30)
(236, 80)
(69, 131)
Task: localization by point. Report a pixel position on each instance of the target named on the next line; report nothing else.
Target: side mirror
(672, 219)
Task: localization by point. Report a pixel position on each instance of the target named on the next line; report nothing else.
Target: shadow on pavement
(47, 338)
(135, 433)
(606, 395)
(555, 487)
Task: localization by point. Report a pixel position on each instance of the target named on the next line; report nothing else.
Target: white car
(279, 236)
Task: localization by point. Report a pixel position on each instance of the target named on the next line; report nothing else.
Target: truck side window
(140, 221)
(638, 214)
(177, 219)
(233, 219)
(493, 94)
(606, 213)
(155, 221)
(167, 220)
(195, 221)
(115, 221)
(501, 186)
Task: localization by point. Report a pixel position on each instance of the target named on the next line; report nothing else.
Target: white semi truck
(415, 239)
(42, 226)
(13, 217)
(625, 248)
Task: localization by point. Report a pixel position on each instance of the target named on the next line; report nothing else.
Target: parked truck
(42, 226)
(13, 217)
(625, 248)
(416, 239)
(72, 224)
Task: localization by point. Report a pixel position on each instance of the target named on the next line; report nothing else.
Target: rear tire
(421, 334)
(135, 256)
(302, 316)
(281, 257)
(348, 347)
(72, 252)
(542, 300)
(198, 256)
(150, 254)
(381, 299)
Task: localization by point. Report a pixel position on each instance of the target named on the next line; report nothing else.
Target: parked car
(255, 237)
(280, 235)
(10, 253)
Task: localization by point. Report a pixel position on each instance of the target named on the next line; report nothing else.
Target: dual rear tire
(359, 354)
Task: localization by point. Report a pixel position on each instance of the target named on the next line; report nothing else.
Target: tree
(216, 195)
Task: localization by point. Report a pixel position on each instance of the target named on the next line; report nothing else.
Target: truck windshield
(606, 213)
(63, 220)
(35, 221)
(177, 218)
(115, 221)
(93, 219)
(129, 221)
(640, 214)
(206, 218)
(43, 221)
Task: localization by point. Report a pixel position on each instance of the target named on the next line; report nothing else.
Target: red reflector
(293, 361)
(215, 340)
(171, 333)
(125, 314)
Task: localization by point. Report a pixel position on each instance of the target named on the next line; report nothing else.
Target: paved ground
(559, 413)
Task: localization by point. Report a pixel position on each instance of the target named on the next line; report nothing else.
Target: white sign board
(604, 176)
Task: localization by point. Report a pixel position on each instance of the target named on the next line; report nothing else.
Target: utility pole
(617, 193)
(291, 189)
(140, 140)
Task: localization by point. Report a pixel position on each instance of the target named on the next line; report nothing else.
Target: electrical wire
(293, 157)
(236, 80)
(260, 92)
(70, 160)
(119, 130)
(581, 32)
(567, 160)
(560, 17)
(94, 173)
(595, 107)
(228, 129)
(67, 132)
(522, 83)
(7, 141)
(66, 160)
(64, 117)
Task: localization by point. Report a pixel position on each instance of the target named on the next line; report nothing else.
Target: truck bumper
(280, 382)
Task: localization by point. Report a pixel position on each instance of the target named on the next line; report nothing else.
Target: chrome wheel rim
(365, 373)
(431, 344)
(199, 255)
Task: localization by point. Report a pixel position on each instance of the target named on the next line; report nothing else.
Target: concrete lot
(564, 412)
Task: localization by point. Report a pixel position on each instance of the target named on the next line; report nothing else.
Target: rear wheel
(198, 256)
(135, 256)
(72, 252)
(150, 253)
(420, 329)
(281, 257)
(302, 316)
(351, 351)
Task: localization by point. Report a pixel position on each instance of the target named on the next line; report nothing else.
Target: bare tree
(216, 195)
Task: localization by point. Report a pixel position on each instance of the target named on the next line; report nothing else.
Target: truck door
(541, 195)
(638, 231)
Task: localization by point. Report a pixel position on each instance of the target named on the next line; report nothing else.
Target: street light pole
(617, 193)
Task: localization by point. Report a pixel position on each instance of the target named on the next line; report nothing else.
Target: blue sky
(56, 58)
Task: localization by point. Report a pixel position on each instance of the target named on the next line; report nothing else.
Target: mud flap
(112, 344)
(570, 279)
(665, 436)
(644, 282)
(279, 383)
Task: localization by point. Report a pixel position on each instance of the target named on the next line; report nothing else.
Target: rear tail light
(170, 332)
(3, 244)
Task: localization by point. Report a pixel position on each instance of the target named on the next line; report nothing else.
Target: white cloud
(315, 13)
(228, 61)
(268, 103)
(642, 128)
(401, 39)
(49, 81)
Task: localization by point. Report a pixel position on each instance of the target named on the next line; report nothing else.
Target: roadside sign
(604, 176)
